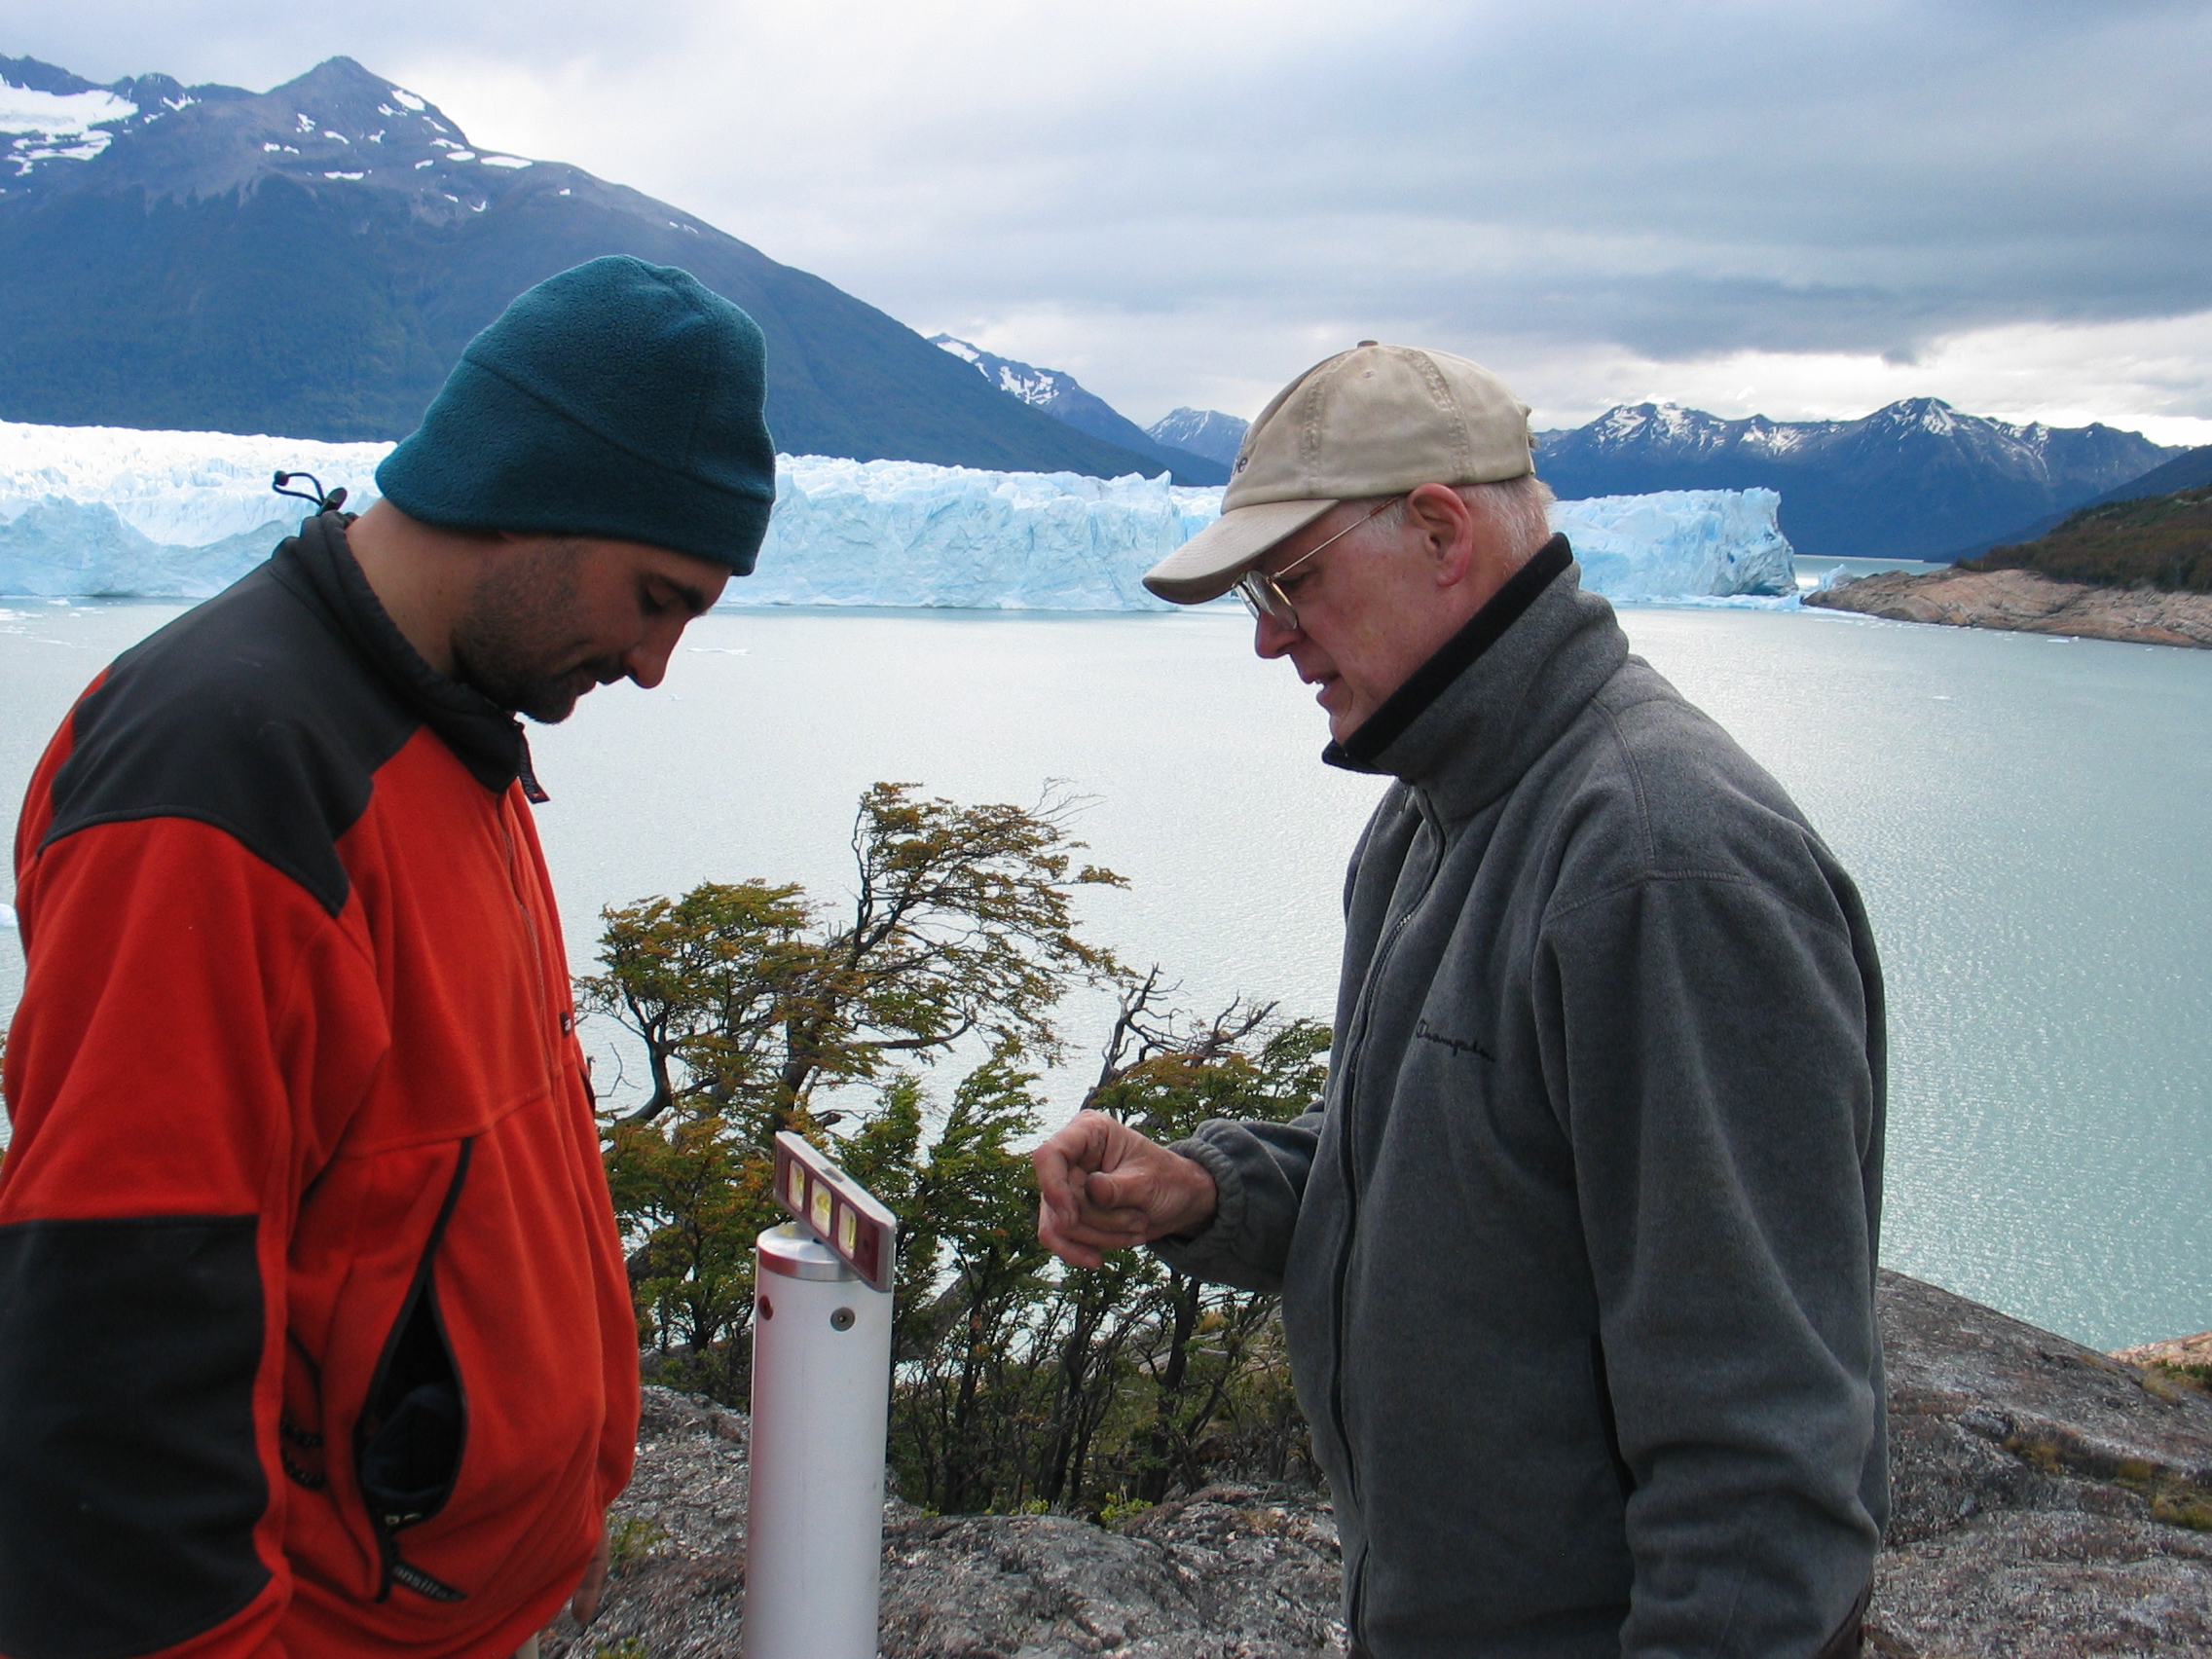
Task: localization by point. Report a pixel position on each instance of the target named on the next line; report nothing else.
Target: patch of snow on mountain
(1035, 386)
(504, 160)
(65, 127)
(105, 510)
(59, 115)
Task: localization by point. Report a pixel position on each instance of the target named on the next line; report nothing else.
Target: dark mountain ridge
(2190, 469)
(309, 261)
(2155, 541)
(1202, 432)
(1914, 480)
(1062, 397)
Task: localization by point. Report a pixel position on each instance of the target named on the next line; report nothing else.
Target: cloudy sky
(1794, 209)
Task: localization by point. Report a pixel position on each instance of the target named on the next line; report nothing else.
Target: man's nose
(646, 661)
(1270, 638)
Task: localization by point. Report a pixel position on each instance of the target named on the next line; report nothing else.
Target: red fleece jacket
(314, 1334)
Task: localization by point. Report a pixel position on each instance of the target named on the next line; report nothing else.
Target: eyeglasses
(1268, 603)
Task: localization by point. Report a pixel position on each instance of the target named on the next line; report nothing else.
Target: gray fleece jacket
(1577, 1259)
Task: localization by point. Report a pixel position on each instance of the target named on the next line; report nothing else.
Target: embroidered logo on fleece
(1458, 1044)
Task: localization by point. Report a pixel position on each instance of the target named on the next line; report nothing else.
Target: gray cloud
(1192, 197)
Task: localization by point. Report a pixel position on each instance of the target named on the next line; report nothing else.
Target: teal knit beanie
(619, 399)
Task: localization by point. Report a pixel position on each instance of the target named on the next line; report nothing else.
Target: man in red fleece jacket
(314, 1334)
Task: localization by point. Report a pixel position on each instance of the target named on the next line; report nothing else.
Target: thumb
(1120, 1189)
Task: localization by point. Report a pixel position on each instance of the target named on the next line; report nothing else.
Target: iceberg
(1680, 544)
(105, 511)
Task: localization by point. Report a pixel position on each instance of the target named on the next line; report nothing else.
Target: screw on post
(821, 1404)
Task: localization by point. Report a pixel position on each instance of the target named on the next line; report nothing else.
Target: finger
(1074, 1151)
(1050, 1234)
(1121, 1235)
(1052, 1182)
(1111, 1218)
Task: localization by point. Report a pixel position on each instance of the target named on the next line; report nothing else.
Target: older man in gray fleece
(1577, 1260)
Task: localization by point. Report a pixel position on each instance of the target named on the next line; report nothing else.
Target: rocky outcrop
(2047, 1501)
(1232, 1573)
(2050, 1501)
(2175, 1352)
(2027, 602)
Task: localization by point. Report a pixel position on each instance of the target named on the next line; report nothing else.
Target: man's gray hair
(1518, 510)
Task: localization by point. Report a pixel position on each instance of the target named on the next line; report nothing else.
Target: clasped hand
(1101, 1186)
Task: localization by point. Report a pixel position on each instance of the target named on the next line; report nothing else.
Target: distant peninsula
(2136, 570)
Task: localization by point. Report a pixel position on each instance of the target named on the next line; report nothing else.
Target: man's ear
(1446, 525)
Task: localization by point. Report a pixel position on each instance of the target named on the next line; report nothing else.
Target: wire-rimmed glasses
(1268, 603)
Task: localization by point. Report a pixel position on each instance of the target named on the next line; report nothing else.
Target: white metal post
(820, 1398)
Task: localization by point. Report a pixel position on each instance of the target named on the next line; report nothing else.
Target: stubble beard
(522, 618)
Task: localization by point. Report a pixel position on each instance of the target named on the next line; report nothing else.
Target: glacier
(89, 511)
(1681, 544)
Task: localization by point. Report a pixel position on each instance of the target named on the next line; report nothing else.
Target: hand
(584, 1605)
(1101, 1186)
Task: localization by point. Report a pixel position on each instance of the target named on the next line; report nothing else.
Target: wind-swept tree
(1017, 1382)
(748, 1003)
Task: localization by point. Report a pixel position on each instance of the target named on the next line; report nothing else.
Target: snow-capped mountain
(311, 260)
(1202, 431)
(1060, 395)
(1917, 479)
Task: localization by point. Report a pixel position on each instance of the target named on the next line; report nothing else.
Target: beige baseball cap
(1375, 420)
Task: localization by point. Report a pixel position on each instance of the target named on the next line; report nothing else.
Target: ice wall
(1680, 543)
(101, 510)
(106, 511)
(901, 532)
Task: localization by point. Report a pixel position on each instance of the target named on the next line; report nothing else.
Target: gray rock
(2047, 1501)
(2050, 1501)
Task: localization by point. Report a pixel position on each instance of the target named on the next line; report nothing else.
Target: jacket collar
(318, 567)
(1474, 717)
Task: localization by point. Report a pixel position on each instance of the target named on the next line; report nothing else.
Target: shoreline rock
(2175, 1350)
(2028, 602)
(2048, 1501)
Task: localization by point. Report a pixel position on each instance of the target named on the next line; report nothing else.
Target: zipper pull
(532, 789)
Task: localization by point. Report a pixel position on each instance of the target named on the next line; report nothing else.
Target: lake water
(2026, 817)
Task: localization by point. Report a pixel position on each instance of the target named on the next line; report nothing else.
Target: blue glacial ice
(901, 532)
(105, 511)
(1681, 544)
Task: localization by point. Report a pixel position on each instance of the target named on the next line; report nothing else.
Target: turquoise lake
(2027, 818)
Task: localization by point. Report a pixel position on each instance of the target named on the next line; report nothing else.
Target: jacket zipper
(1349, 1155)
(385, 1528)
(530, 938)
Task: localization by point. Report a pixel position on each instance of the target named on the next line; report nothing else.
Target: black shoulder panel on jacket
(129, 1481)
(253, 713)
